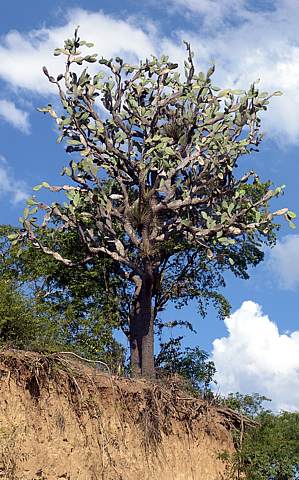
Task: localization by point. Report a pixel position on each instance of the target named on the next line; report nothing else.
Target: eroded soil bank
(63, 419)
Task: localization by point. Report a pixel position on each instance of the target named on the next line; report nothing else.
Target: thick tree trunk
(142, 331)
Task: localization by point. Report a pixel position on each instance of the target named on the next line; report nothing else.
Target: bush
(20, 325)
(269, 451)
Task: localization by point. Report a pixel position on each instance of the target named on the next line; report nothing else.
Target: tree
(272, 450)
(22, 323)
(19, 322)
(154, 181)
(73, 302)
(250, 405)
(268, 451)
(192, 365)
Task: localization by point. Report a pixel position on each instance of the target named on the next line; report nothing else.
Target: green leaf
(41, 185)
(84, 116)
(169, 151)
(57, 52)
(185, 222)
(226, 241)
(76, 199)
(156, 138)
(223, 93)
(230, 208)
(31, 201)
(69, 110)
(45, 109)
(91, 58)
(211, 71)
(65, 121)
(67, 171)
(12, 236)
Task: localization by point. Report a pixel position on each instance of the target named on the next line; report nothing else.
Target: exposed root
(101, 426)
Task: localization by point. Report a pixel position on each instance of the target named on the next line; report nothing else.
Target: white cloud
(255, 357)
(13, 115)
(23, 55)
(213, 12)
(245, 43)
(284, 261)
(9, 185)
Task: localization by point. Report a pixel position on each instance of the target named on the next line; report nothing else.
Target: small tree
(74, 303)
(192, 364)
(154, 162)
(268, 450)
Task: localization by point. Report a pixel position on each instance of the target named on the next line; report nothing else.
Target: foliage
(269, 451)
(272, 450)
(192, 364)
(249, 405)
(154, 183)
(79, 304)
(20, 324)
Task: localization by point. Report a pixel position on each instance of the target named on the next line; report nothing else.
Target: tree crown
(153, 173)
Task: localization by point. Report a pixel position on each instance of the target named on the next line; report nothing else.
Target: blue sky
(247, 40)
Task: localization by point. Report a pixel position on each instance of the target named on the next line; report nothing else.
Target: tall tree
(154, 180)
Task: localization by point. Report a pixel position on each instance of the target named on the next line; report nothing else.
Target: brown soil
(63, 419)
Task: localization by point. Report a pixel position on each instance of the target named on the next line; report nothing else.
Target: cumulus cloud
(249, 44)
(256, 357)
(22, 55)
(16, 117)
(16, 189)
(284, 261)
(213, 12)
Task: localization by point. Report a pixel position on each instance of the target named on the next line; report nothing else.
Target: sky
(256, 349)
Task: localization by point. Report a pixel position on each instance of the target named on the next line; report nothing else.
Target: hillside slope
(63, 419)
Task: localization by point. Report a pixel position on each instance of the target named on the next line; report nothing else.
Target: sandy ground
(62, 419)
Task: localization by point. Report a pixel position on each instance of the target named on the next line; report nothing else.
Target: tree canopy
(268, 451)
(66, 308)
(154, 183)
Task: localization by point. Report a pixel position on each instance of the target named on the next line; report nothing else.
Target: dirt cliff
(63, 419)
